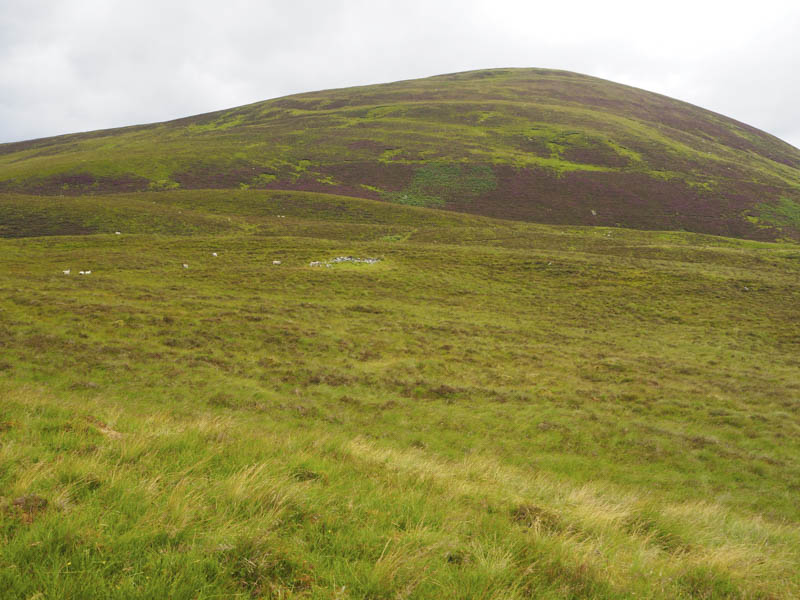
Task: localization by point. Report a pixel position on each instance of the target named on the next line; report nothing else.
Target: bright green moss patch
(220, 124)
(434, 184)
(784, 213)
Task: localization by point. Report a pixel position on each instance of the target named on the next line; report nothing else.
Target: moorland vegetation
(494, 409)
(526, 144)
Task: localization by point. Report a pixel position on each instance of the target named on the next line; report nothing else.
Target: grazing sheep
(276, 262)
(66, 272)
(213, 254)
(185, 266)
(80, 272)
(117, 233)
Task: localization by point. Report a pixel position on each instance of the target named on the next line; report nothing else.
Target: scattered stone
(343, 259)
(30, 504)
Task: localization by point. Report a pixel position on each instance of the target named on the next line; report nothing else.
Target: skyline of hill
(524, 144)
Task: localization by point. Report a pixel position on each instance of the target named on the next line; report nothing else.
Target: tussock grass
(495, 410)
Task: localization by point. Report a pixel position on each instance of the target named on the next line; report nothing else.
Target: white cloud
(72, 65)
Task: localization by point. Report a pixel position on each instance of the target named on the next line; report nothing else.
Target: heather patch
(77, 184)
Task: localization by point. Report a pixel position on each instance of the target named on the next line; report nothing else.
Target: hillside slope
(493, 410)
(525, 144)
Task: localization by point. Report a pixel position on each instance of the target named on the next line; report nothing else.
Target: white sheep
(117, 233)
(185, 266)
(276, 262)
(213, 254)
(66, 272)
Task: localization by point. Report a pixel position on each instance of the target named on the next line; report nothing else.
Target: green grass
(434, 184)
(494, 410)
(784, 213)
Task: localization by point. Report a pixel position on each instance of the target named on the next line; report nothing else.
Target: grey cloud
(75, 65)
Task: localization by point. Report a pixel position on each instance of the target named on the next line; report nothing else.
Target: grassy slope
(494, 410)
(527, 144)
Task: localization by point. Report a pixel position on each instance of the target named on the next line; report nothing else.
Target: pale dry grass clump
(616, 535)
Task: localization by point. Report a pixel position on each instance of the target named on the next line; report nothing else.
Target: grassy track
(493, 410)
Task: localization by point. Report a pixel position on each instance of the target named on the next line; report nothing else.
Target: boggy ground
(493, 410)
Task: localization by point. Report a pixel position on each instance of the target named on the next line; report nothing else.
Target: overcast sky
(77, 65)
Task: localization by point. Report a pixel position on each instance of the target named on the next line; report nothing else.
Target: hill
(220, 380)
(524, 144)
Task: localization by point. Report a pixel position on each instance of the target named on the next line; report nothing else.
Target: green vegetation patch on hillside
(434, 184)
(784, 213)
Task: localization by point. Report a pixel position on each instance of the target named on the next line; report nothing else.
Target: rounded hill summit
(527, 144)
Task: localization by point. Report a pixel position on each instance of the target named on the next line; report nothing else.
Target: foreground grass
(494, 410)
